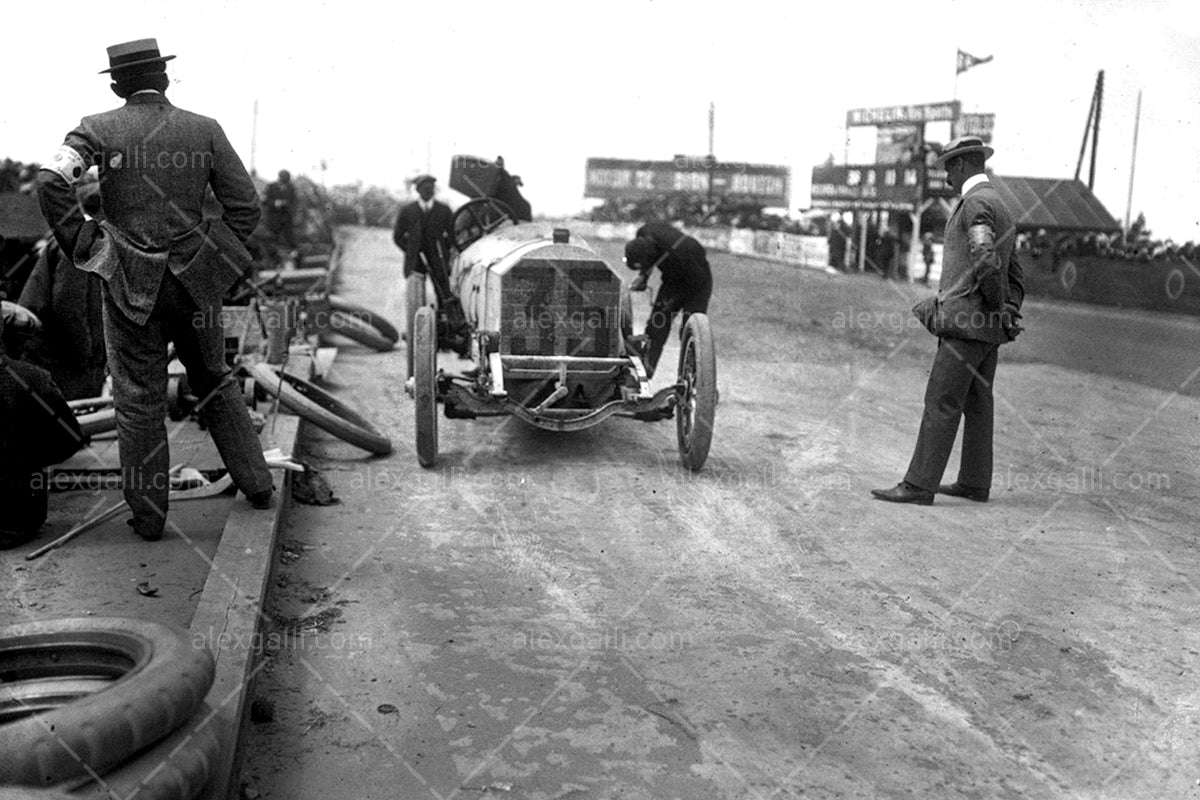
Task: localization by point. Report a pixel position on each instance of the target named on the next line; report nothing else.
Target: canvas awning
(1058, 205)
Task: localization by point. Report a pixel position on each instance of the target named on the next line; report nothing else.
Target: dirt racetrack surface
(576, 616)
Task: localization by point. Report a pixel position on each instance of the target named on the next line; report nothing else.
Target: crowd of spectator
(17, 177)
(695, 212)
(1142, 248)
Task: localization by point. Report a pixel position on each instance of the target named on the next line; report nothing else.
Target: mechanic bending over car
(686, 280)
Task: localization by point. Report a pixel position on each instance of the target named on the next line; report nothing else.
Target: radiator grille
(560, 307)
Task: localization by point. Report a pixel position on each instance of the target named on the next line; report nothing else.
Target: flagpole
(957, 72)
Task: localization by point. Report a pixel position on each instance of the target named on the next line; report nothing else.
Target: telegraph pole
(712, 159)
(1092, 126)
(254, 139)
(1137, 119)
(1096, 128)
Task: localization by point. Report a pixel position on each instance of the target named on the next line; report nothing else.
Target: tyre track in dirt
(795, 636)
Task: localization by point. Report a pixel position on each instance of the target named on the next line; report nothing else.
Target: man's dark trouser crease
(139, 369)
(960, 387)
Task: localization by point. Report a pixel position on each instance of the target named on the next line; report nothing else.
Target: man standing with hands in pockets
(975, 311)
(165, 267)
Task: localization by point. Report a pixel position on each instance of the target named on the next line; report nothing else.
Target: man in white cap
(975, 311)
(165, 267)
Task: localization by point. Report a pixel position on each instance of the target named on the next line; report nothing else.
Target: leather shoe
(956, 489)
(261, 500)
(904, 492)
(149, 534)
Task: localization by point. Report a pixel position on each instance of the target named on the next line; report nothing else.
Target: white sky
(381, 91)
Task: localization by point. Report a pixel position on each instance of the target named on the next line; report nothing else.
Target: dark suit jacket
(281, 201)
(684, 262)
(36, 426)
(418, 232)
(980, 280)
(156, 162)
(68, 302)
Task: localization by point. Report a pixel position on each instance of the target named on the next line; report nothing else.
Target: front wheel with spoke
(697, 394)
(425, 386)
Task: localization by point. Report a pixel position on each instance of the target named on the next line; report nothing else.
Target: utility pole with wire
(712, 159)
(254, 140)
(1092, 128)
(1137, 119)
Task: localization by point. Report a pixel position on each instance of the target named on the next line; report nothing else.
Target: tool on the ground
(192, 486)
(276, 459)
(83, 527)
(197, 492)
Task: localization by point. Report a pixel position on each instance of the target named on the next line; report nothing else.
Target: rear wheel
(425, 385)
(698, 392)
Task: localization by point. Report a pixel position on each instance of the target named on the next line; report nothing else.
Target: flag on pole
(966, 61)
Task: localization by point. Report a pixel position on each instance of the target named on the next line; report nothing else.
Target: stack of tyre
(103, 708)
(364, 326)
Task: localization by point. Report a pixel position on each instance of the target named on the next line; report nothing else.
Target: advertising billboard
(884, 187)
(627, 179)
(897, 143)
(980, 125)
(904, 115)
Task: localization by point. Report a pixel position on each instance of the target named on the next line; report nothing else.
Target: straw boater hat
(135, 53)
(961, 146)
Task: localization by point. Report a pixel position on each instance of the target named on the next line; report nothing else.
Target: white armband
(68, 163)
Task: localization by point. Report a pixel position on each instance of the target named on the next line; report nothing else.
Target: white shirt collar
(147, 91)
(973, 181)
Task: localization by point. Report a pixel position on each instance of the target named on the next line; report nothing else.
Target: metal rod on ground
(83, 527)
(87, 524)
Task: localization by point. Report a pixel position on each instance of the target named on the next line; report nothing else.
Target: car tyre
(320, 408)
(425, 385)
(81, 696)
(697, 393)
(346, 324)
(376, 320)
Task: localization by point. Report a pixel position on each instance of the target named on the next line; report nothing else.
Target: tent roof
(1056, 204)
(21, 217)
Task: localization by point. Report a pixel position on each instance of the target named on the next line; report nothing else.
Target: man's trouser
(662, 313)
(24, 497)
(283, 230)
(137, 358)
(960, 386)
(414, 298)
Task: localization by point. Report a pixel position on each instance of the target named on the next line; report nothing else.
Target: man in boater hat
(975, 311)
(165, 269)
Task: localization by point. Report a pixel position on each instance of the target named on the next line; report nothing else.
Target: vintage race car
(549, 324)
